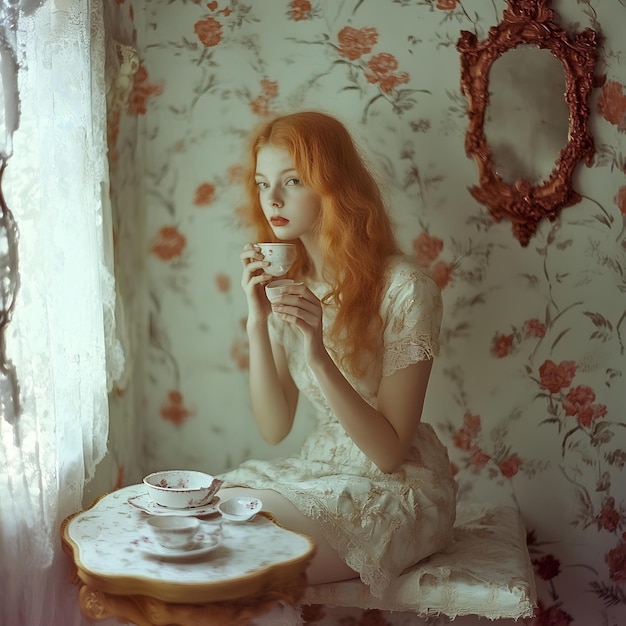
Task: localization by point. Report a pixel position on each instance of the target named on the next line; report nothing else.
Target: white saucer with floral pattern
(145, 504)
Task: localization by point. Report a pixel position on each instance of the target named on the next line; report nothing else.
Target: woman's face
(290, 208)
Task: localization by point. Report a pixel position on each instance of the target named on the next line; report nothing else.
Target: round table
(257, 564)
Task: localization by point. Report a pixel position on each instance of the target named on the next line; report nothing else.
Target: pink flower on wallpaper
(556, 377)
(479, 459)
(442, 273)
(269, 90)
(547, 567)
(269, 87)
(142, 91)
(579, 402)
(355, 42)
(223, 283)
(260, 106)
(502, 345)
(447, 5)
(235, 173)
(535, 328)
(381, 70)
(612, 104)
(551, 616)
(113, 133)
(174, 410)
(209, 31)
(472, 423)
(609, 517)
(616, 561)
(299, 10)
(464, 437)
(427, 248)
(510, 466)
(620, 200)
(168, 243)
(205, 194)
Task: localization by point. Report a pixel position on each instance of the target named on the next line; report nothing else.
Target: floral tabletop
(112, 546)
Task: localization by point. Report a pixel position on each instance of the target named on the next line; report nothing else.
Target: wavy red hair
(355, 233)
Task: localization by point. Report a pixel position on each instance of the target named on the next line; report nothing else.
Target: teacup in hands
(274, 289)
(281, 257)
(174, 532)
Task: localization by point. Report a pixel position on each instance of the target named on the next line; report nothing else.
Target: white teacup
(281, 257)
(274, 288)
(174, 532)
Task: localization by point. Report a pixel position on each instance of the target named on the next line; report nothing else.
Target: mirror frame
(528, 22)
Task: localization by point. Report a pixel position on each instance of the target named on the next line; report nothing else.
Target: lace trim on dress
(408, 351)
(356, 554)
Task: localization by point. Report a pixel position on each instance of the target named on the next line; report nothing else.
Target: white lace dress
(378, 523)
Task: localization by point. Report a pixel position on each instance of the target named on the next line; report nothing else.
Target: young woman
(372, 484)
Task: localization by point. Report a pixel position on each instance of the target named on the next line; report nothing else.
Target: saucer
(202, 544)
(145, 504)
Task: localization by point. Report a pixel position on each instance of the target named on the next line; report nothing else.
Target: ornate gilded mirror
(531, 76)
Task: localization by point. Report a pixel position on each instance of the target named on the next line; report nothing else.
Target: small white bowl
(239, 509)
(181, 489)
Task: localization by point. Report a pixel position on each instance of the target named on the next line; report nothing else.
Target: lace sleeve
(413, 311)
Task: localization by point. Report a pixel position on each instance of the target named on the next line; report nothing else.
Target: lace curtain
(61, 339)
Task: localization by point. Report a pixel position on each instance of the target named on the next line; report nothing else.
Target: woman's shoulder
(404, 271)
(412, 305)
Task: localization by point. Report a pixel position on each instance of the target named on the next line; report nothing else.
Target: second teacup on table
(174, 532)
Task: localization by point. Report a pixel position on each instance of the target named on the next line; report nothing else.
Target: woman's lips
(276, 220)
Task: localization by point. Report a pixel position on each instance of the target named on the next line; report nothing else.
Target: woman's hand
(299, 306)
(253, 280)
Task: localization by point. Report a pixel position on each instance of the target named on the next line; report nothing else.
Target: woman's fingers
(250, 254)
(298, 303)
(253, 264)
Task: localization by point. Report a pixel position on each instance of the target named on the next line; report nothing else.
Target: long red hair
(355, 234)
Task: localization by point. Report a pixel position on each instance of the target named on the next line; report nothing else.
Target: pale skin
(386, 433)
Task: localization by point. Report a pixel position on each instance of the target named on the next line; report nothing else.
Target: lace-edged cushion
(486, 571)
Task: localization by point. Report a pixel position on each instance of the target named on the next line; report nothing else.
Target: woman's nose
(275, 200)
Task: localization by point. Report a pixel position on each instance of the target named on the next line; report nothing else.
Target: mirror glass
(527, 91)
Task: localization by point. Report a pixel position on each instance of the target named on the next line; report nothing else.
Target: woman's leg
(326, 566)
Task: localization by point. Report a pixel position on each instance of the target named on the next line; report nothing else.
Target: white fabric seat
(486, 571)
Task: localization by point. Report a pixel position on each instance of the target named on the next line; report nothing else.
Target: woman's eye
(293, 181)
(261, 184)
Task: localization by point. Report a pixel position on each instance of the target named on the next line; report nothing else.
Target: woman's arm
(385, 434)
(273, 393)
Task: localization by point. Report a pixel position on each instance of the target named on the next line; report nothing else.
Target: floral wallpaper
(529, 390)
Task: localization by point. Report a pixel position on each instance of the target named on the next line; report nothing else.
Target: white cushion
(486, 571)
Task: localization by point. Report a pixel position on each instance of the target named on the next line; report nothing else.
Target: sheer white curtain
(61, 338)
